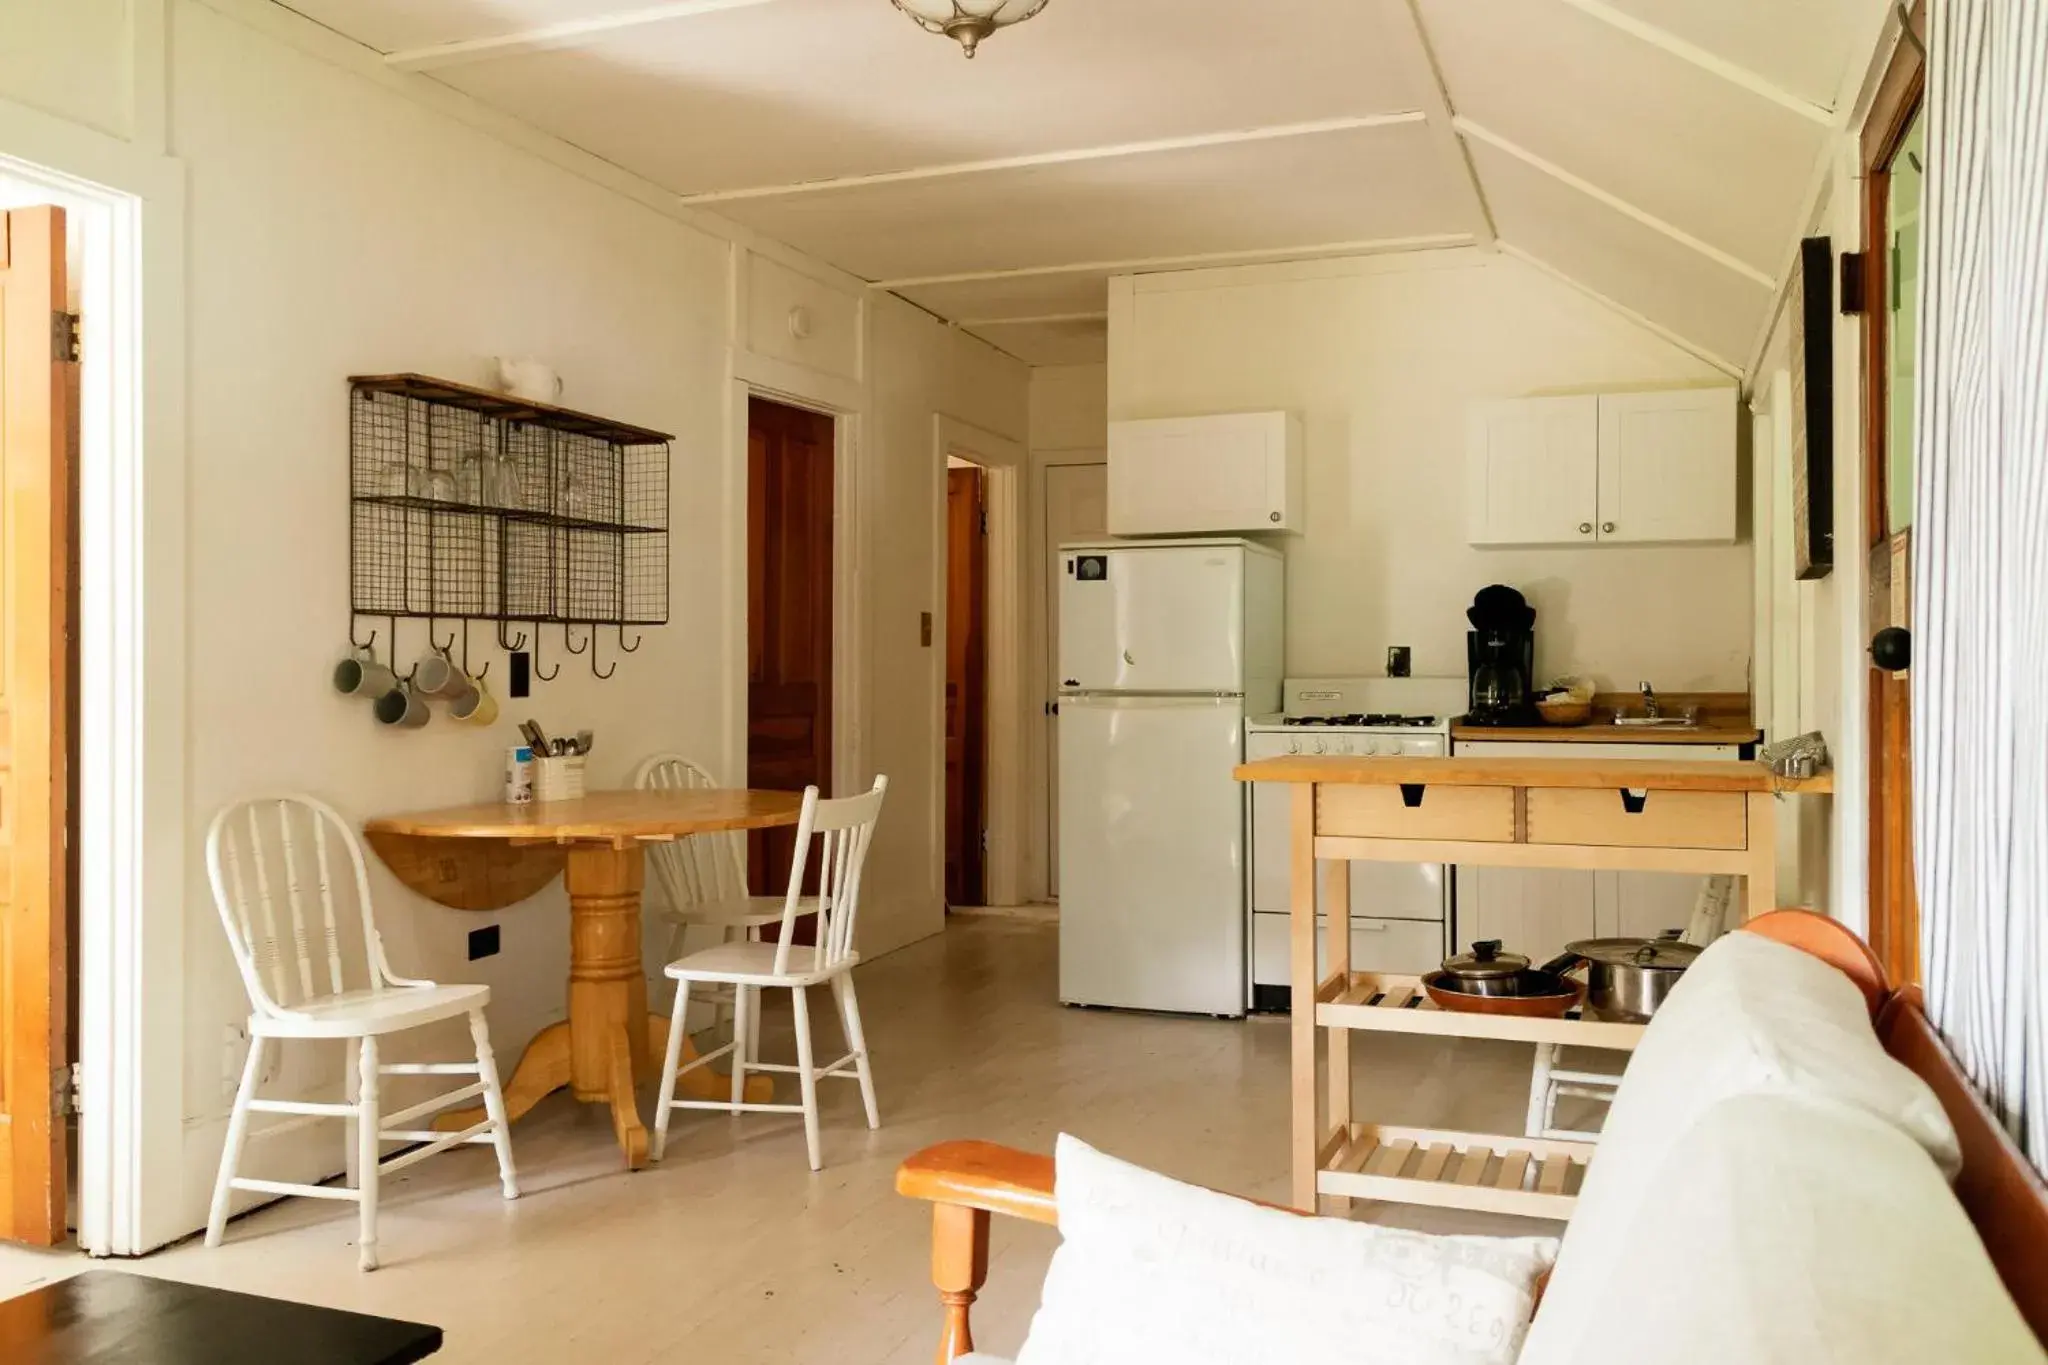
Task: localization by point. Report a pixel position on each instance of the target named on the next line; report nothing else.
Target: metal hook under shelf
(593, 659)
(544, 677)
(575, 648)
(443, 649)
(625, 648)
(509, 645)
(370, 644)
(481, 673)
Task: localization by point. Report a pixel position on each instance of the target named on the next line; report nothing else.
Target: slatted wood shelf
(1533, 1177)
(1397, 1004)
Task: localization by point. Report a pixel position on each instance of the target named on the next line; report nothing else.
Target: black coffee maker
(1500, 658)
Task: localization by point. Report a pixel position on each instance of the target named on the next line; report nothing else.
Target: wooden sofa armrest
(965, 1182)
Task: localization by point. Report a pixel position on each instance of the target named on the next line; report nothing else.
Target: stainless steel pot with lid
(1486, 970)
(1628, 978)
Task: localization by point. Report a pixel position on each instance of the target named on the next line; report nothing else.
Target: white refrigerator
(1163, 645)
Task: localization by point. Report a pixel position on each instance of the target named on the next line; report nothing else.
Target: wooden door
(1894, 161)
(966, 687)
(789, 618)
(37, 448)
(1076, 508)
(1533, 470)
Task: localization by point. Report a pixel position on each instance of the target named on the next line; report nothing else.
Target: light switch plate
(924, 629)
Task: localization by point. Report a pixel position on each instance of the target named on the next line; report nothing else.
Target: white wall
(341, 221)
(1069, 425)
(1383, 357)
(922, 368)
(1814, 675)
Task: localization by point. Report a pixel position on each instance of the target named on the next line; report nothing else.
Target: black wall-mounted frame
(469, 505)
(1815, 537)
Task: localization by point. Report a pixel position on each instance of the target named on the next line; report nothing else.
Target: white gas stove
(1401, 913)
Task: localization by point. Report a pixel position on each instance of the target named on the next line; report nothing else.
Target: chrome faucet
(1650, 707)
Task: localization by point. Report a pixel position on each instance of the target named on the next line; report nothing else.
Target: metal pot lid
(1485, 962)
(1662, 954)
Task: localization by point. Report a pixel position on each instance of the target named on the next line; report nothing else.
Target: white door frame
(1003, 812)
(128, 203)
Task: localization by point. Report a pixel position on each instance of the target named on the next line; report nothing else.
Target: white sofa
(1793, 1170)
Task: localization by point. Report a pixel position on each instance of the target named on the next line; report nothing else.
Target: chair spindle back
(843, 828)
(274, 863)
(699, 869)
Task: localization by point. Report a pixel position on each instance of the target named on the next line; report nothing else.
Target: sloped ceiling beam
(1436, 99)
(1068, 156)
(1038, 320)
(565, 34)
(1618, 204)
(1369, 247)
(1706, 61)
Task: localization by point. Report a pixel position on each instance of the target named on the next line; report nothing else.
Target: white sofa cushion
(1150, 1269)
(1751, 1016)
(1787, 1230)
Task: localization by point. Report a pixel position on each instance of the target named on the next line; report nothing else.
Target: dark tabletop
(110, 1318)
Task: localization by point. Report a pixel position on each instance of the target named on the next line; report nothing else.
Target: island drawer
(1656, 819)
(1435, 811)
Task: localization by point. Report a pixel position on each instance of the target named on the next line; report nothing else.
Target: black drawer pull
(1632, 802)
(1411, 794)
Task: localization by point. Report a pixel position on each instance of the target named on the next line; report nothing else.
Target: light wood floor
(733, 1252)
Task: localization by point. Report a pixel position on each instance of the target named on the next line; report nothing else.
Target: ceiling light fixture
(967, 22)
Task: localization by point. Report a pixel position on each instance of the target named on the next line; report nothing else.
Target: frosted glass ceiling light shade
(967, 22)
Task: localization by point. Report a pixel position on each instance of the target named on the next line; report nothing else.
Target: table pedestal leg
(609, 1041)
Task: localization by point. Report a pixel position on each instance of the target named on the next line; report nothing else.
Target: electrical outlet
(483, 942)
(1398, 657)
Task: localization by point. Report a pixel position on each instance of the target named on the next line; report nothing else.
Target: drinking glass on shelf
(502, 487)
(472, 474)
(574, 501)
(436, 485)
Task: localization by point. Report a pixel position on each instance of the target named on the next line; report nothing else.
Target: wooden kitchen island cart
(1660, 816)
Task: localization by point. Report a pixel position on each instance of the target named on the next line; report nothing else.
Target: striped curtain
(1980, 567)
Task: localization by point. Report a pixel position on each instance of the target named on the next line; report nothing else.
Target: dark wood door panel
(789, 618)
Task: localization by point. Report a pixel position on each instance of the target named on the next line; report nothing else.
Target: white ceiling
(1660, 154)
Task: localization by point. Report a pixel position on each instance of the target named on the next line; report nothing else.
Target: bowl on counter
(1564, 709)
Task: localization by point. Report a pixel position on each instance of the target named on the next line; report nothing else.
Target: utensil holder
(558, 778)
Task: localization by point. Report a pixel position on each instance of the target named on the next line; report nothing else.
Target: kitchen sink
(1682, 718)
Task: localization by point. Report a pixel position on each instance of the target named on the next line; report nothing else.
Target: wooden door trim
(1893, 909)
(973, 699)
(34, 1045)
(1003, 463)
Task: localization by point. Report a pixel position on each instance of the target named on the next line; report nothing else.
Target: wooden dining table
(486, 857)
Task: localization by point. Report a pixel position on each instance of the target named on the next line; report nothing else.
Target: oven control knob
(1321, 747)
(1293, 746)
(1370, 747)
(1343, 746)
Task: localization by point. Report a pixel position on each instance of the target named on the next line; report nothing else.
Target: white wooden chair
(703, 878)
(843, 829)
(266, 859)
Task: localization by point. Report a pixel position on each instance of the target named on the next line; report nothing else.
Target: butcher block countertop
(1724, 719)
(1629, 775)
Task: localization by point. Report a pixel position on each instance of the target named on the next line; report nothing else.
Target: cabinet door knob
(1607, 528)
(1273, 516)
(1585, 528)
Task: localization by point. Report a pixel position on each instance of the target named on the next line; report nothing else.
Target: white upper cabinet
(1611, 468)
(1667, 465)
(1206, 475)
(1533, 470)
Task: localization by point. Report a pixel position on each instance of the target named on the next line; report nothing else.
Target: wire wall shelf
(470, 505)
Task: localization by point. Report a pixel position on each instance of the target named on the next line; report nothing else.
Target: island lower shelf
(1485, 1172)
